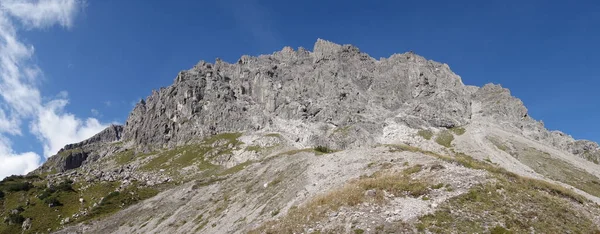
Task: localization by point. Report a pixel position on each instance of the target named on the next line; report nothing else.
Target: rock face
(75, 155)
(334, 84)
(110, 134)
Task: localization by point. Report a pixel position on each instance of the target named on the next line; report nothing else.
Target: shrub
(323, 149)
(12, 178)
(45, 194)
(65, 186)
(32, 177)
(52, 201)
(112, 194)
(109, 197)
(1, 194)
(18, 186)
(15, 219)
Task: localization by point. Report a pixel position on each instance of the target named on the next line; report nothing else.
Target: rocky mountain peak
(307, 141)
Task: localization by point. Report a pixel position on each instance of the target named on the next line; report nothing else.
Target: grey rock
(26, 224)
(335, 85)
(110, 134)
(371, 193)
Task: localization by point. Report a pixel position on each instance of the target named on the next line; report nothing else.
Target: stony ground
(285, 189)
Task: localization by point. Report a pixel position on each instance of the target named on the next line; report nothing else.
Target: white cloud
(20, 98)
(56, 129)
(16, 164)
(107, 103)
(44, 13)
(95, 112)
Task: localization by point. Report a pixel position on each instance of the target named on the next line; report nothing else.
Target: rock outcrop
(334, 84)
(111, 134)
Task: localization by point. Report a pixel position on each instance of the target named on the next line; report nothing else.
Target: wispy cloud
(19, 80)
(44, 13)
(95, 112)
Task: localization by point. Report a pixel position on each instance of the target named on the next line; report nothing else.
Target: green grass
(444, 138)
(426, 134)
(595, 158)
(66, 153)
(557, 169)
(115, 201)
(469, 162)
(293, 152)
(199, 154)
(438, 186)
(458, 130)
(518, 204)
(124, 157)
(277, 135)
(255, 148)
(236, 168)
(499, 144)
(34, 202)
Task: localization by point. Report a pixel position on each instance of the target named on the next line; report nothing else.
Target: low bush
(45, 194)
(66, 186)
(15, 219)
(323, 149)
(18, 186)
(52, 201)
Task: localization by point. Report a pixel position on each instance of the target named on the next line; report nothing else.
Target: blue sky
(105, 55)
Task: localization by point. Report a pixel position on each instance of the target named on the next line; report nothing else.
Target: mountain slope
(325, 141)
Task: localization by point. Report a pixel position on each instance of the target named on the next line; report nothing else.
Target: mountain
(328, 141)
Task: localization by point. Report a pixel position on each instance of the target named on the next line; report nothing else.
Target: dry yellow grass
(398, 183)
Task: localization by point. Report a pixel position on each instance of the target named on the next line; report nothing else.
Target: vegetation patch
(48, 206)
(115, 201)
(499, 144)
(236, 168)
(444, 138)
(517, 204)
(199, 154)
(458, 130)
(595, 158)
(124, 157)
(398, 183)
(323, 149)
(557, 169)
(276, 135)
(426, 134)
(469, 162)
(66, 153)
